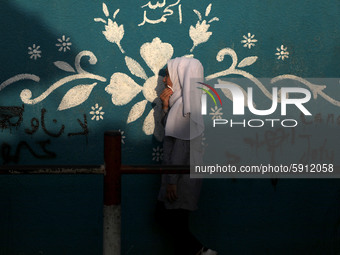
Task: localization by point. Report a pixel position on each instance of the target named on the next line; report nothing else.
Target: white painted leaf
(135, 68)
(105, 10)
(136, 111)
(99, 20)
(64, 66)
(115, 14)
(198, 14)
(213, 19)
(207, 11)
(247, 61)
(76, 96)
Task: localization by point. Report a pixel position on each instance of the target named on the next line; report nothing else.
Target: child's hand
(165, 96)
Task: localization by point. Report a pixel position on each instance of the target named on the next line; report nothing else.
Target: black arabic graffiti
(35, 126)
(11, 116)
(8, 157)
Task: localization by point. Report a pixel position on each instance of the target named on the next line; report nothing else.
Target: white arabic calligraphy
(167, 12)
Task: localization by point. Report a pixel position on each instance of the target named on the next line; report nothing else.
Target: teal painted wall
(64, 82)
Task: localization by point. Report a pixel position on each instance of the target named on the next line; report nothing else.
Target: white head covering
(185, 119)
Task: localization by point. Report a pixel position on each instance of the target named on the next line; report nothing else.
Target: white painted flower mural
(113, 33)
(282, 52)
(157, 154)
(122, 136)
(123, 88)
(34, 52)
(200, 34)
(97, 112)
(216, 113)
(64, 43)
(249, 41)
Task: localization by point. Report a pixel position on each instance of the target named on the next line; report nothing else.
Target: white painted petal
(135, 68)
(149, 123)
(152, 124)
(122, 88)
(151, 88)
(76, 96)
(136, 111)
(156, 54)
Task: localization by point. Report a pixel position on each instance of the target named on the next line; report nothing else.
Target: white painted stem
(26, 94)
(112, 230)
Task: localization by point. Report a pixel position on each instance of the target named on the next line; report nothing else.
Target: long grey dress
(177, 152)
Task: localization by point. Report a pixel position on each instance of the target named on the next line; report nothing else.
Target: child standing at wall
(183, 122)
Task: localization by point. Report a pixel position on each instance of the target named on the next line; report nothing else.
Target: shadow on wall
(28, 44)
(38, 213)
(30, 50)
